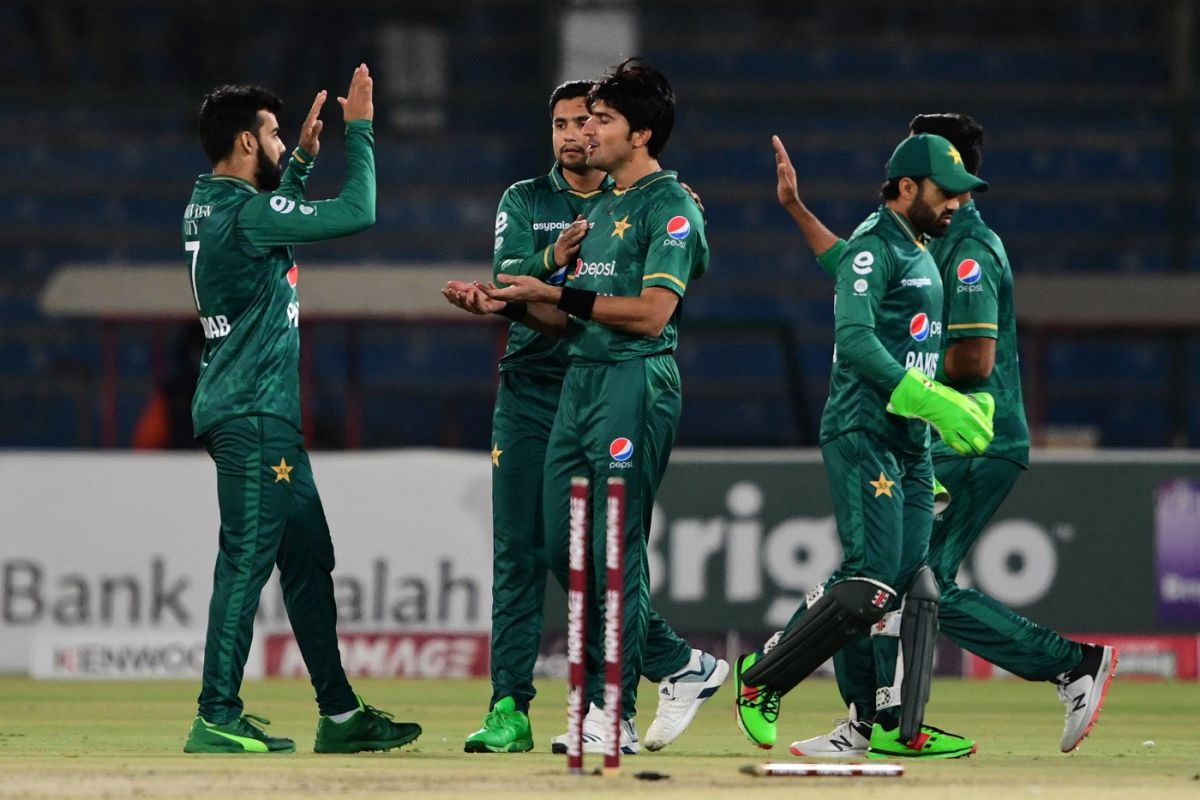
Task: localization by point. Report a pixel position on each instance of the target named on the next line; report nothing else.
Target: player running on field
(875, 445)
(980, 353)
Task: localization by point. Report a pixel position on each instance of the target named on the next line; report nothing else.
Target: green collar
(561, 184)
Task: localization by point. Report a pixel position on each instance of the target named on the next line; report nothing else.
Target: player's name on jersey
(215, 327)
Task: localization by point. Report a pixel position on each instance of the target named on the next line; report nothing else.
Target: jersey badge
(863, 262)
(620, 226)
(918, 327)
(969, 271)
(678, 228)
(621, 449)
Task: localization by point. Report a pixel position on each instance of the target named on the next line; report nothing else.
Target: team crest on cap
(293, 276)
(918, 327)
(621, 449)
(969, 271)
(678, 228)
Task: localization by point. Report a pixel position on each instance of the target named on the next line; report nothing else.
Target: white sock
(345, 715)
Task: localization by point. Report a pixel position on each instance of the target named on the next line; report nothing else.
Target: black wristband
(514, 311)
(577, 302)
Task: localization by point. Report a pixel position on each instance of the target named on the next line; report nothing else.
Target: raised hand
(310, 130)
(566, 247)
(787, 189)
(357, 104)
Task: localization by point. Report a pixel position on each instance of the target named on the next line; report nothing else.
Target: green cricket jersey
(979, 303)
(531, 215)
(238, 245)
(651, 234)
(888, 317)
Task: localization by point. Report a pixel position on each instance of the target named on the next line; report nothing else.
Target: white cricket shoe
(1082, 691)
(849, 738)
(594, 734)
(680, 696)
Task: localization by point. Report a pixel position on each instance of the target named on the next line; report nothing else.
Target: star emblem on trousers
(883, 485)
(283, 471)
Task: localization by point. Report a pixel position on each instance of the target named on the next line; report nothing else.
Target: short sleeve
(677, 249)
(972, 286)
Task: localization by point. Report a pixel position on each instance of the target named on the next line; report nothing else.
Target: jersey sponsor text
(926, 362)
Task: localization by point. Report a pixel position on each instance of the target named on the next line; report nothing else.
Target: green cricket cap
(928, 155)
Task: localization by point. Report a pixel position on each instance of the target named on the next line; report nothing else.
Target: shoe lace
(372, 711)
(496, 718)
(254, 724)
(766, 702)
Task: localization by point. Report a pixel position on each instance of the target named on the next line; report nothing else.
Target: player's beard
(925, 219)
(574, 161)
(267, 174)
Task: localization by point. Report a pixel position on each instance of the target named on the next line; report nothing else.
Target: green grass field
(121, 740)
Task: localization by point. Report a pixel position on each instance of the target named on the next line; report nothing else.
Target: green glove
(941, 497)
(963, 422)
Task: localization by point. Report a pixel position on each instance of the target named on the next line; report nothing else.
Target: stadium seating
(1079, 156)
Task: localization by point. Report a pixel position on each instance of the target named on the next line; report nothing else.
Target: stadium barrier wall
(106, 558)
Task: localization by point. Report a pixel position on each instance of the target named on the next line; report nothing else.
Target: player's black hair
(569, 91)
(228, 110)
(643, 96)
(960, 130)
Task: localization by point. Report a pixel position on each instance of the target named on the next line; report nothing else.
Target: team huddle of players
(591, 262)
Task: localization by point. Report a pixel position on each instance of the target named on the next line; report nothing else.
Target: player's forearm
(545, 319)
(829, 260)
(819, 238)
(860, 349)
(643, 315)
(358, 192)
(539, 265)
(295, 176)
(275, 220)
(969, 361)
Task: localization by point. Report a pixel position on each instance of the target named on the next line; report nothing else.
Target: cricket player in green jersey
(621, 396)
(979, 354)
(539, 229)
(875, 445)
(238, 232)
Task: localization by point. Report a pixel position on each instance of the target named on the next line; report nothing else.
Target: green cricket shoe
(757, 708)
(505, 730)
(931, 742)
(239, 736)
(368, 729)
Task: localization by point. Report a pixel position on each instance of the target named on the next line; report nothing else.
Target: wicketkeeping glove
(941, 497)
(964, 422)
